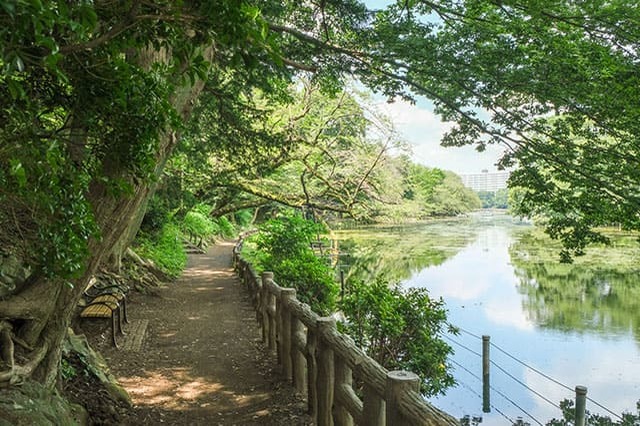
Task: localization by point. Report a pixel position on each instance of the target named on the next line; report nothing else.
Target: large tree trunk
(37, 318)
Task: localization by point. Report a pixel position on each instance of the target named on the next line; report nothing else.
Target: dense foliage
(336, 155)
(420, 192)
(96, 95)
(494, 199)
(164, 248)
(400, 329)
(285, 243)
(162, 234)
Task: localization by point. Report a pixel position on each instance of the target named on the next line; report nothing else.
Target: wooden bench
(118, 291)
(108, 301)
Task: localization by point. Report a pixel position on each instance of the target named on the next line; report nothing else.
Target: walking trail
(201, 361)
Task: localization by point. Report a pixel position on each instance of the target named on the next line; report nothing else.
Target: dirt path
(202, 362)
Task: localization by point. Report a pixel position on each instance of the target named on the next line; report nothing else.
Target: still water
(576, 324)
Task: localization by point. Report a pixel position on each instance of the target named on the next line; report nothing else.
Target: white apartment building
(485, 181)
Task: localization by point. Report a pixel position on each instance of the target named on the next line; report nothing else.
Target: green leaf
(15, 89)
(18, 172)
(9, 7)
(18, 63)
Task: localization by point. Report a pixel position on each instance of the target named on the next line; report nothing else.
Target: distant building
(485, 181)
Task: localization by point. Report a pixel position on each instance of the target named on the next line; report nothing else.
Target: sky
(423, 130)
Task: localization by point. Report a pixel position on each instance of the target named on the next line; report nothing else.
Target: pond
(552, 326)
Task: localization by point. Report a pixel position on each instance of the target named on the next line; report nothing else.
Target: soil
(201, 362)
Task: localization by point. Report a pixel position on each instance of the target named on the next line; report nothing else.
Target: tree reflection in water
(598, 293)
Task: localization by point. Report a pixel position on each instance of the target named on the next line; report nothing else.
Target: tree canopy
(96, 95)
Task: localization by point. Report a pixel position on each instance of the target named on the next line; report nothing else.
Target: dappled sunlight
(204, 272)
(177, 389)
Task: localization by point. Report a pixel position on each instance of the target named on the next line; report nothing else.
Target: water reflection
(578, 323)
(597, 294)
(395, 252)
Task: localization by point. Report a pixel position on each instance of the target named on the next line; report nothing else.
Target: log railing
(321, 363)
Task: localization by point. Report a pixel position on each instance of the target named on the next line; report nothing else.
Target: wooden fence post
(269, 333)
(398, 382)
(312, 372)
(273, 327)
(581, 405)
(286, 296)
(259, 307)
(326, 375)
(373, 407)
(343, 378)
(297, 355)
(277, 322)
(252, 282)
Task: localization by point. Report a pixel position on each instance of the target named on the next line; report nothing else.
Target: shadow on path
(202, 362)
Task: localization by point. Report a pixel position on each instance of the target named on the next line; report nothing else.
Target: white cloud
(424, 130)
(507, 313)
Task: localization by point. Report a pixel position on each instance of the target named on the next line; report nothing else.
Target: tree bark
(45, 307)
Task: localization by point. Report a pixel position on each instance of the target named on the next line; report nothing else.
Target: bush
(165, 250)
(285, 242)
(225, 228)
(244, 217)
(312, 279)
(199, 226)
(399, 329)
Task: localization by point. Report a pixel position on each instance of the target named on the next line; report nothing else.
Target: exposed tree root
(18, 373)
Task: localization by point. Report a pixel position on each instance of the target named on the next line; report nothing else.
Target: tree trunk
(40, 314)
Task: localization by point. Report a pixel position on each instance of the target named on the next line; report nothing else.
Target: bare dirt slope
(201, 362)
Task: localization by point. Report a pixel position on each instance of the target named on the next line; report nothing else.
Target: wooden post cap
(403, 376)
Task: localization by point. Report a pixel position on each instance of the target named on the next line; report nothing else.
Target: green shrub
(164, 249)
(285, 243)
(312, 279)
(400, 329)
(195, 224)
(225, 228)
(244, 217)
(198, 224)
(288, 236)
(156, 216)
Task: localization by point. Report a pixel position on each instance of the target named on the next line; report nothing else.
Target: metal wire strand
(516, 359)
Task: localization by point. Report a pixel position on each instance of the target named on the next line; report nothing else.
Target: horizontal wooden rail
(321, 362)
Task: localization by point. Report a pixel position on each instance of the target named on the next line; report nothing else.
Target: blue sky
(418, 125)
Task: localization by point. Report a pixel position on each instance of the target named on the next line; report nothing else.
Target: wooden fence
(321, 363)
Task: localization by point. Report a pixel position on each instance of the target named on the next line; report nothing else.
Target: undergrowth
(164, 249)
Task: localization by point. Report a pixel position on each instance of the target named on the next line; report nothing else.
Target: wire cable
(557, 382)
(546, 376)
(515, 405)
(478, 394)
(467, 370)
(605, 408)
(513, 357)
(526, 386)
(462, 346)
(494, 389)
